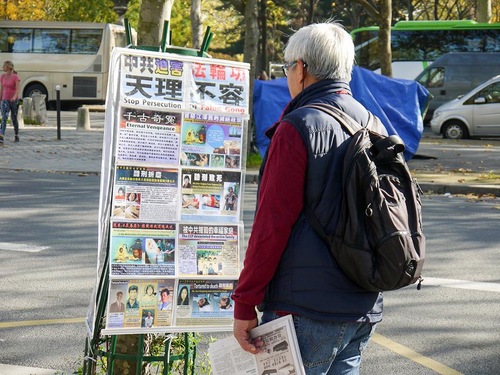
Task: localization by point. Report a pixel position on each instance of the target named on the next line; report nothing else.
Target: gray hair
(326, 48)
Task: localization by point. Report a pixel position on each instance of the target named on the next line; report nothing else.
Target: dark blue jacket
(308, 281)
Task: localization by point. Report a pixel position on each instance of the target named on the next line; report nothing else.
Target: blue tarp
(398, 103)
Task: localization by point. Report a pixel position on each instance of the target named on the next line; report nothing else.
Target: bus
(417, 43)
(72, 55)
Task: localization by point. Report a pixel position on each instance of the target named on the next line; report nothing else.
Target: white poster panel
(170, 207)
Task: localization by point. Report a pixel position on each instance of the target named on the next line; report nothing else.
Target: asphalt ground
(59, 146)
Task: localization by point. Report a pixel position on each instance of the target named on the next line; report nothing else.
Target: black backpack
(378, 243)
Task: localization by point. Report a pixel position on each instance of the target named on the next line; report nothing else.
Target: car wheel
(455, 130)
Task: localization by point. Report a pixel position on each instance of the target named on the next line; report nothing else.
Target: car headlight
(437, 114)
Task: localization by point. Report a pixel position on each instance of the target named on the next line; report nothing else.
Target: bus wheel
(34, 89)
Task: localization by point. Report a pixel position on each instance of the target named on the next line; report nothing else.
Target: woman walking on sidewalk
(9, 89)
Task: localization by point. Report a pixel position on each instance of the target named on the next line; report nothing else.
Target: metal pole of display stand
(58, 108)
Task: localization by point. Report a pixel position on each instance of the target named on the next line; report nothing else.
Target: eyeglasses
(288, 65)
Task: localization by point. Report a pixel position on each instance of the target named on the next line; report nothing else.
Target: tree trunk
(250, 56)
(310, 16)
(263, 39)
(384, 38)
(151, 17)
(196, 23)
(410, 10)
(483, 12)
(126, 344)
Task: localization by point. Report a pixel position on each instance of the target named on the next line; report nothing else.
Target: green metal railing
(165, 44)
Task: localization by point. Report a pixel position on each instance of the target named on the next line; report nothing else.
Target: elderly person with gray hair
(288, 268)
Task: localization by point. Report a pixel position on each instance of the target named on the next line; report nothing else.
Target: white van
(457, 73)
(475, 114)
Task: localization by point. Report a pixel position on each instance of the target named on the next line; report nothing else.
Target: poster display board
(171, 191)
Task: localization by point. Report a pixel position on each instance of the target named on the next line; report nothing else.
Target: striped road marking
(42, 322)
(414, 356)
(26, 248)
(462, 284)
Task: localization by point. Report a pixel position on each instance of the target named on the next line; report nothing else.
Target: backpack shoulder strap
(347, 122)
(351, 126)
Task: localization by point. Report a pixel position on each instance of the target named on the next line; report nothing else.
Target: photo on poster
(146, 304)
(209, 140)
(142, 248)
(208, 250)
(210, 302)
(213, 195)
(150, 193)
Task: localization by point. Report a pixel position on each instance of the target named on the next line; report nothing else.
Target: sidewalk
(440, 166)
(19, 370)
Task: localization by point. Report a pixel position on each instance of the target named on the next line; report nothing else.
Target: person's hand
(241, 329)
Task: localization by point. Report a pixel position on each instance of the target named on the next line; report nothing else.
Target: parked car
(456, 73)
(475, 114)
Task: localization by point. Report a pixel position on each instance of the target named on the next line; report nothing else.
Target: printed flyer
(280, 355)
(208, 303)
(145, 193)
(211, 141)
(146, 135)
(205, 249)
(140, 304)
(142, 248)
(210, 195)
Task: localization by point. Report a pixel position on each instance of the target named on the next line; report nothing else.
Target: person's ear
(302, 73)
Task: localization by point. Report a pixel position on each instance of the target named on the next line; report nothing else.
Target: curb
(440, 188)
(251, 177)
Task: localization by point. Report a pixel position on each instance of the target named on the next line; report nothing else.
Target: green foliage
(89, 10)
(59, 10)
(254, 160)
(132, 14)
(224, 22)
(180, 23)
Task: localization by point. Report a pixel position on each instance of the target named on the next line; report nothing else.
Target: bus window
(414, 44)
(51, 41)
(85, 42)
(17, 40)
